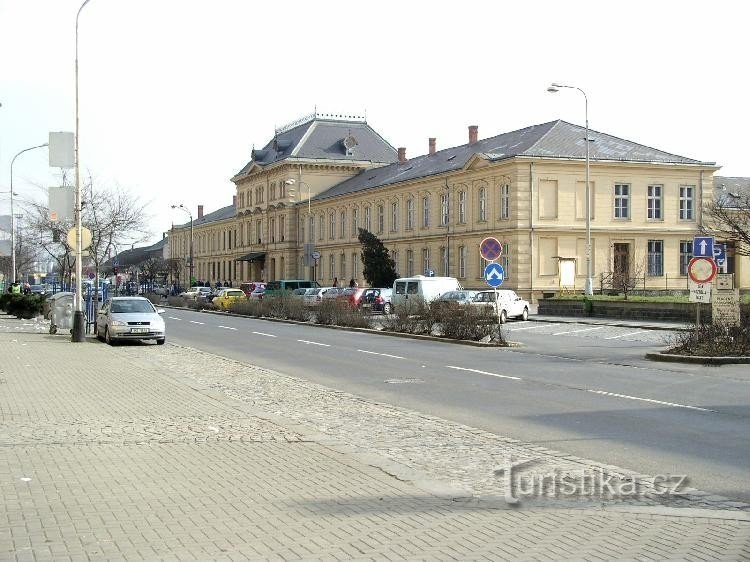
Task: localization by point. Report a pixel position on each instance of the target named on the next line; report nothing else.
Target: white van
(422, 288)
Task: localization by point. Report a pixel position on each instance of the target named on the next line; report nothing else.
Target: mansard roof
(220, 214)
(731, 191)
(556, 139)
(323, 137)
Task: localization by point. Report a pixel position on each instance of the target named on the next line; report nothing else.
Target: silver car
(130, 318)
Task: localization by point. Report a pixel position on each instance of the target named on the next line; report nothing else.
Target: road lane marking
(651, 400)
(196, 322)
(174, 318)
(545, 325)
(628, 334)
(383, 354)
(314, 343)
(227, 327)
(484, 373)
(264, 334)
(577, 331)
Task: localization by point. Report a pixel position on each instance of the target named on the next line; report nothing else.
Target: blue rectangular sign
(720, 254)
(703, 247)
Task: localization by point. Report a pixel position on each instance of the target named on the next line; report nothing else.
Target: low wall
(674, 312)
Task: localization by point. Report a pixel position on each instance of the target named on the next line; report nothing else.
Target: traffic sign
(720, 254)
(703, 247)
(315, 255)
(702, 270)
(700, 292)
(494, 274)
(490, 248)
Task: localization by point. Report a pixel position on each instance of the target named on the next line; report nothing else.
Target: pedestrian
(26, 289)
(335, 281)
(352, 283)
(15, 288)
(218, 284)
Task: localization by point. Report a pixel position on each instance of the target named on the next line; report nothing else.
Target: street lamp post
(12, 213)
(181, 206)
(589, 287)
(78, 334)
(292, 181)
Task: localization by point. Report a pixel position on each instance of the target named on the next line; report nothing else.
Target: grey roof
(135, 256)
(556, 139)
(731, 190)
(323, 139)
(220, 214)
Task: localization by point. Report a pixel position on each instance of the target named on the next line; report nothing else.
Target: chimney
(473, 134)
(234, 201)
(200, 211)
(402, 154)
(433, 140)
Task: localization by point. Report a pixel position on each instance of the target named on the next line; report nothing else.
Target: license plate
(138, 330)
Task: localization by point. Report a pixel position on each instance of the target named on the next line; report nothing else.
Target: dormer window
(349, 143)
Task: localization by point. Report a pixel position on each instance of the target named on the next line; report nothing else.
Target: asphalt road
(575, 388)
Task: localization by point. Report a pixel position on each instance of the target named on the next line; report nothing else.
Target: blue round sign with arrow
(494, 274)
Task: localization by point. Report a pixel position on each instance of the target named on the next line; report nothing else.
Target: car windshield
(131, 307)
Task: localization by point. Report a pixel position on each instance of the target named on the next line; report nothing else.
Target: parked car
(250, 286)
(351, 295)
(281, 286)
(509, 304)
(314, 295)
(377, 300)
(130, 318)
(194, 292)
(39, 289)
(463, 297)
(299, 294)
(422, 288)
(227, 296)
(258, 292)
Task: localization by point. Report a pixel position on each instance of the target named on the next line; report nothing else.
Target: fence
(610, 281)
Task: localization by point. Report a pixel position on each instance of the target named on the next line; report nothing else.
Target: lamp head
(290, 181)
(553, 88)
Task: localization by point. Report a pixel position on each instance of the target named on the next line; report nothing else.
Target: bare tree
(728, 217)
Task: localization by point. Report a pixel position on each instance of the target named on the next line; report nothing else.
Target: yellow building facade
(321, 179)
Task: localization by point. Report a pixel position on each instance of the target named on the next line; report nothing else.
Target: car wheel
(108, 338)
(525, 314)
(503, 316)
(387, 308)
(161, 341)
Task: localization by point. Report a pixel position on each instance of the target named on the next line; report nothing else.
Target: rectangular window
(331, 266)
(395, 258)
(426, 212)
(505, 260)
(322, 227)
(409, 263)
(654, 202)
(444, 261)
(410, 214)
(342, 226)
(355, 222)
(342, 266)
(462, 261)
(312, 229)
(301, 236)
(444, 209)
(547, 199)
(368, 219)
(282, 228)
(272, 229)
(482, 264)
(655, 258)
(258, 230)
(462, 207)
(482, 204)
(505, 202)
(381, 219)
(332, 226)
(686, 253)
(355, 265)
(622, 201)
(425, 260)
(686, 202)
(394, 217)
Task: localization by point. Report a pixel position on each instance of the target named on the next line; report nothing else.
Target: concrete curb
(586, 320)
(697, 359)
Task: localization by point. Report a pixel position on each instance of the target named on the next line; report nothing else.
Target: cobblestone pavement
(146, 453)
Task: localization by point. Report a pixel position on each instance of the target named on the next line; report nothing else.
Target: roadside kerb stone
(698, 359)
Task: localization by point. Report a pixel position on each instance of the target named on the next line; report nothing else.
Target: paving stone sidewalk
(151, 453)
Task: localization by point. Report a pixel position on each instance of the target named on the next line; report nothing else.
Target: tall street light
(78, 334)
(181, 206)
(589, 287)
(12, 213)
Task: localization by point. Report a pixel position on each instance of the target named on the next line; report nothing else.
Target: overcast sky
(174, 93)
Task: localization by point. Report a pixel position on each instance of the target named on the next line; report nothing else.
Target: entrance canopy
(253, 256)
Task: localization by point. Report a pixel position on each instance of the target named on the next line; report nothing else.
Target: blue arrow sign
(703, 247)
(494, 274)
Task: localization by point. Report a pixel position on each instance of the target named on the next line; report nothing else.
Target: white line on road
(484, 373)
(576, 331)
(263, 334)
(545, 325)
(314, 343)
(227, 327)
(628, 334)
(674, 405)
(383, 354)
(196, 322)
(174, 318)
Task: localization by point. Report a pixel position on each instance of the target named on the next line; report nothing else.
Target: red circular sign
(702, 270)
(490, 248)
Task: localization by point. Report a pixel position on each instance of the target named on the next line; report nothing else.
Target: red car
(352, 296)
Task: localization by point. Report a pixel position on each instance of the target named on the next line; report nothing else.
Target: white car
(130, 318)
(194, 292)
(509, 304)
(314, 296)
